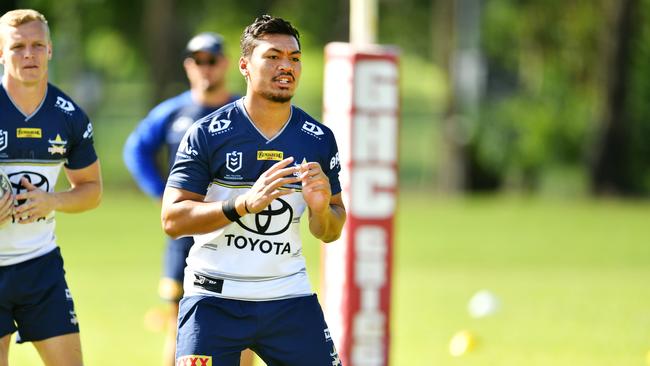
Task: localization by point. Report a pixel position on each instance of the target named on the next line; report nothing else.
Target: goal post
(361, 105)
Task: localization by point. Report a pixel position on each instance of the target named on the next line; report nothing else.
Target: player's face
(273, 68)
(205, 71)
(25, 52)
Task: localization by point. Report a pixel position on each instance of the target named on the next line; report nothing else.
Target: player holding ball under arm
(41, 131)
(242, 179)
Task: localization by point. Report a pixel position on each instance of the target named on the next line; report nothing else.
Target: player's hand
(267, 187)
(38, 203)
(316, 189)
(6, 207)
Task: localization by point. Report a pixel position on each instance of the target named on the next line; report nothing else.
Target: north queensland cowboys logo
(64, 105)
(273, 220)
(312, 129)
(218, 125)
(234, 160)
(57, 145)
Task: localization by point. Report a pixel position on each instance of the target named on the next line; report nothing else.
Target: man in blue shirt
(41, 131)
(205, 66)
(243, 177)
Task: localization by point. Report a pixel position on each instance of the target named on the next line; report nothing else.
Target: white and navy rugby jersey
(259, 257)
(35, 147)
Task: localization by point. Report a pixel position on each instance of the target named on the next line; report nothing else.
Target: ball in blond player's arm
(6, 199)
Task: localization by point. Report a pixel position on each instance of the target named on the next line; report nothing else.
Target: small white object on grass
(482, 304)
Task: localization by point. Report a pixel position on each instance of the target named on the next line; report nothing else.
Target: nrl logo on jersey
(58, 145)
(218, 126)
(234, 160)
(4, 139)
(312, 129)
(64, 105)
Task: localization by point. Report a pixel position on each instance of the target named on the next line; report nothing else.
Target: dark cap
(206, 42)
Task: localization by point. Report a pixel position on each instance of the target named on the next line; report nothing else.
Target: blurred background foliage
(497, 95)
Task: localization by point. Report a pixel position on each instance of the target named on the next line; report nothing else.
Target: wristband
(229, 210)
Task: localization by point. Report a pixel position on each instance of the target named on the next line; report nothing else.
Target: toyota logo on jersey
(39, 180)
(274, 219)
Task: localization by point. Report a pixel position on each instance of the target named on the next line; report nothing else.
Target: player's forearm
(189, 217)
(327, 226)
(83, 196)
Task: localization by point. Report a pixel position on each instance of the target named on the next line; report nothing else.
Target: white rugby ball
(5, 184)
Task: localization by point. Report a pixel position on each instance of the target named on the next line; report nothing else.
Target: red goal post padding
(361, 106)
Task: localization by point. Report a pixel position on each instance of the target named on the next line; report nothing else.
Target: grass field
(572, 278)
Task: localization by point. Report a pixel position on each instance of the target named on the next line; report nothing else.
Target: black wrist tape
(229, 209)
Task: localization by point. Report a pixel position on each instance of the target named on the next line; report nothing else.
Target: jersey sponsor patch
(218, 125)
(194, 360)
(270, 155)
(89, 131)
(64, 105)
(263, 246)
(274, 219)
(335, 161)
(29, 133)
(185, 149)
(312, 129)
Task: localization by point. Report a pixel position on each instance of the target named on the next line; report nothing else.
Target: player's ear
(243, 67)
(49, 51)
(187, 63)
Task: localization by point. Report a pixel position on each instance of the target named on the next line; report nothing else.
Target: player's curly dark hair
(266, 24)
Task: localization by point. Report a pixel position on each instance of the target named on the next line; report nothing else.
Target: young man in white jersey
(242, 179)
(42, 130)
(206, 65)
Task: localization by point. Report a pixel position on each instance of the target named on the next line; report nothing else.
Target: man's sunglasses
(205, 61)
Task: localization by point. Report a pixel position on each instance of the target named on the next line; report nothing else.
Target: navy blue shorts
(171, 284)
(175, 254)
(290, 332)
(35, 300)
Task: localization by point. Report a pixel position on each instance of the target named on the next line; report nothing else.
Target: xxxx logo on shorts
(194, 360)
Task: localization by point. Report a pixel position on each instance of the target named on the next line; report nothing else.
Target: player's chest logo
(37, 179)
(234, 160)
(57, 146)
(4, 139)
(273, 220)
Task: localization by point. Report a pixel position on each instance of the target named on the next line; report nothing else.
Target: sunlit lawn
(572, 278)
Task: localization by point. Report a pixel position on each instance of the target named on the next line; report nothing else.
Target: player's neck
(26, 97)
(269, 117)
